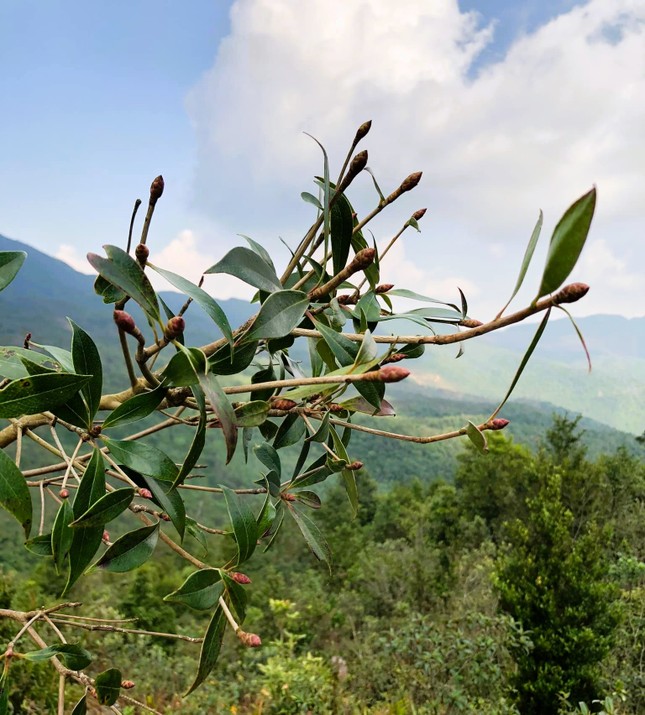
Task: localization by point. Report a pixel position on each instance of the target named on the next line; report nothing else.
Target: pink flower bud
(145, 493)
(127, 684)
(175, 327)
(410, 182)
(383, 288)
(240, 578)
(124, 321)
(393, 373)
(250, 640)
(63, 493)
(288, 497)
(106, 536)
(353, 466)
(499, 423)
(418, 215)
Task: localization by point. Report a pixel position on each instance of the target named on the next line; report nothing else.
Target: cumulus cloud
(68, 254)
(563, 109)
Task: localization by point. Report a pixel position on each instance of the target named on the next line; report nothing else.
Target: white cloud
(68, 254)
(564, 109)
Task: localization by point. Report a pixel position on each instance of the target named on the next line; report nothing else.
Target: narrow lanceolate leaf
(136, 408)
(201, 590)
(326, 187)
(120, 269)
(311, 199)
(38, 393)
(170, 500)
(108, 686)
(248, 266)
(528, 255)
(143, 458)
(477, 437)
(313, 536)
(269, 457)
(525, 359)
(579, 334)
(243, 523)
(85, 542)
(567, 242)
(223, 411)
(279, 315)
(74, 657)
(211, 646)
(130, 550)
(81, 706)
(62, 534)
(14, 492)
(10, 263)
(105, 509)
(349, 478)
(201, 297)
(87, 361)
(259, 249)
(344, 350)
(198, 441)
(342, 227)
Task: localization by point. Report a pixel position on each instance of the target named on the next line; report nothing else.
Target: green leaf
(130, 550)
(85, 542)
(342, 227)
(38, 393)
(201, 590)
(528, 255)
(308, 498)
(10, 263)
(237, 595)
(201, 297)
(183, 368)
(120, 269)
(87, 361)
(269, 457)
(326, 187)
(477, 437)
(74, 657)
(62, 534)
(136, 408)
(14, 493)
(211, 646)
(110, 293)
(108, 507)
(223, 411)
(313, 536)
(248, 266)
(360, 404)
(11, 365)
(266, 516)
(4, 694)
(252, 414)
(198, 441)
(311, 199)
(567, 242)
(348, 475)
(143, 458)
(243, 524)
(108, 686)
(291, 431)
(344, 349)
(259, 249)
(40, 545)
(578, 333)
(525, 359)
(81, 706)
(62, 357)
(222, 363)
(279, 315)
(322, 433)
(167, 496)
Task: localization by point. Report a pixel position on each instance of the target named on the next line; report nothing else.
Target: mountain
(47, 290)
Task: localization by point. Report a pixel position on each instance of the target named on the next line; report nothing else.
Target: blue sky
(521, 107)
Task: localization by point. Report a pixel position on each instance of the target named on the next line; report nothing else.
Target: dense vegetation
(519, 588)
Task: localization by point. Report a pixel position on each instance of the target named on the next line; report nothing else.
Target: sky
(506, 107)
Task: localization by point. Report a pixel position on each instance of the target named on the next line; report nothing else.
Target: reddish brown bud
(410, 182)
(357, 164)
(106, 536)
(346, 299)
(63, 493)
(353, 466)
(499, 423)
(240, 578)
(288, 497)
(571, 293)
(362, 131)
(164, 517)
(124, 321)
(418, 215)
(279, 403)
(145, 493)
(396, 357)
(335, 407)
(392, 373)
(156, 189)
(363, 259)
(175, 327)
(127, 684)
(470, 323)
(141, 253)
(250, 640)
(383, 288)
(25, 344)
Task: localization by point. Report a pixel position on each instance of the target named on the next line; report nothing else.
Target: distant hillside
(47, 290)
